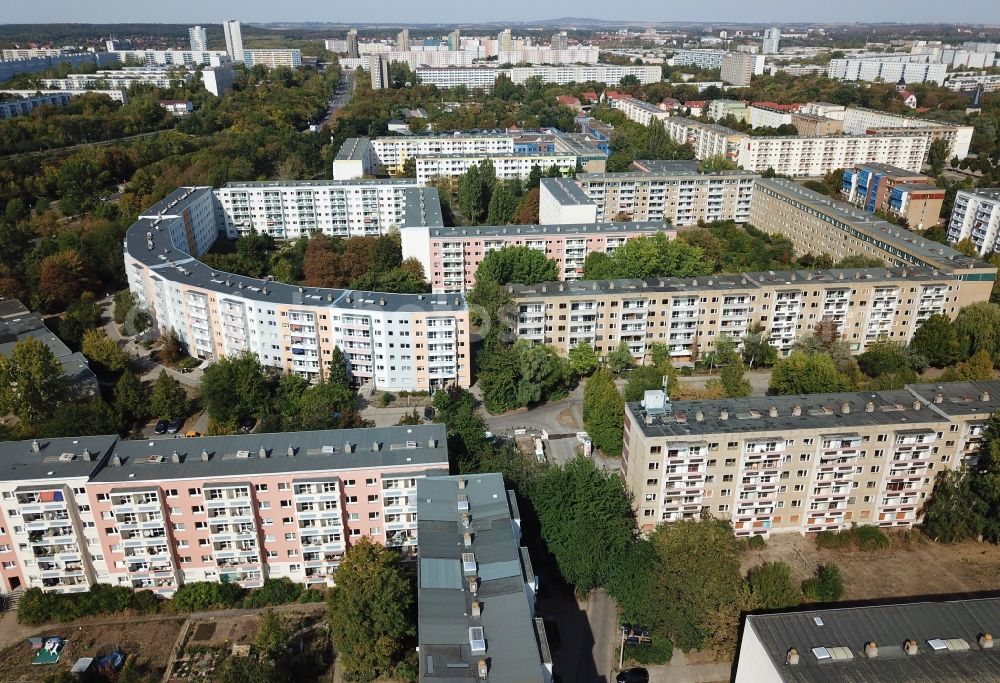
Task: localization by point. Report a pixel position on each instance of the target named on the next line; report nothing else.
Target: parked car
(634, 675)
(175, 425)
(161, 427)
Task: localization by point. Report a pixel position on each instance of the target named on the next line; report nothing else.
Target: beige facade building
(737, 68)
(798, 464)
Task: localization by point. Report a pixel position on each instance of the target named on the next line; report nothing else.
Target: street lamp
(621, 650)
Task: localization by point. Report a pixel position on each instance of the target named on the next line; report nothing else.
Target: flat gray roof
(793, 279)
(494, 155)
(379, 182)
(239, 455)
(651, 227)
(56, 459)
(889, 626)
(423, 207)
(888, 170)
(169, 263)
(75, 366)
(514, 640)
(895, 408)
(12, 308)
(565, 191)
(990, 192)
(353, 149)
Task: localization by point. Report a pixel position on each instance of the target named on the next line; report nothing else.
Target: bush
(386, 398)
(864, 537)
(37, 607)
(274, 592)
(826, 585)
(756, 542)
(312, 595)
(204, 595)
(660, 652)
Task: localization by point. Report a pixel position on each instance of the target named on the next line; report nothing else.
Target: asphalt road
(341, 96)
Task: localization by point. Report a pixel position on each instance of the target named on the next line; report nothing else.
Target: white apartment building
(675, 193)
(391, 341)
(860, 121)
(198, 38)
(610, 74)
(187, 58)
(737, 68)
(472, 77)
(392, 152)
(638, 110)
(121, 78)
(772, 40)
(415, 59)
(964, 81)
(234, 39)
(976, 216)
(507, 166)
(885, 70)
(546, 55)
(702, 59)
(30, 99)
(30, 53)
(274, 58)
(760, 115)
(291, 209)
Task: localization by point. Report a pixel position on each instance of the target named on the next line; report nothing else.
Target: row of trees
(483, 199)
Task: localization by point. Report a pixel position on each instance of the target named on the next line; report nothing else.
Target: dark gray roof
(423, 207)
(381, 182)
(19, 461)
(565, 191)
(889, 170)
(170, 263)
(353, 149)
(889, 626)
(845, 277)
(650, 227)
(660, 169)
(678, 166)
(514, 645)
(235, 456)
(988, 192)
(13, 329)
(12, 308)
(894, 409)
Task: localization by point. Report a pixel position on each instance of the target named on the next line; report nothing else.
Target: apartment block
(186, 58)
(801, 464)
(476, 586)
(451, 256)
(720, 109)
(472, 77)
(273, 58)
(507, 166)
(24, 105)
(355, 159)
(560, 200)
(968, 81)
(32, 65)
(690, 314)
(861, 121)
(702, 59)
(895, 642)
(894, 191)
(580, 54)
(737, 68)
(881, 69)
(123, 79)
(813, 126)
(337, 208)
(30, 53)
(770, 114)
(674, 192)
(639, 111)
(392, 341)
(562, 74)
(158, 514)
(976, 216)
(819, 225)
(416, 59)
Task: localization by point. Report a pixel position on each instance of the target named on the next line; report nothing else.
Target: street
(340, 97)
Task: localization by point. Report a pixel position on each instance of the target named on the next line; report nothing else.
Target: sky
(447, 11)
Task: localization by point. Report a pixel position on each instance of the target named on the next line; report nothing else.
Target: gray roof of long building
(19, 461)
(565, 191)
(896, 408)
(845, 277)
(12, 308)
(75, 366)
(381, 182)
(928, 250)
(889, 626)
(176, 265)
(423, 207)
(353, 149)
(990, 192)
(444, 610)
(889, 169)
(666, 170)
(541, 230)
(239, 455)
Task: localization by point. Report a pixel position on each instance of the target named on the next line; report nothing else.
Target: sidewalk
(679, 671)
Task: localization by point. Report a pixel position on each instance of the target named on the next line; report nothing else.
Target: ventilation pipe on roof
(869, 407)
(724, 415)
(291, 451)
(939, 398)
(376, 447)
(466, 520)
(699, 416)
(910, 647)
(461, 483)
(871, 649)
(35, 446)
(86, 455)
(773, 412)
(473, 584)
(792, 657)
(483, 669)
(845, 409)
(917, 405)
(262, 453)
(477, 609)
(796, 411)
(116, 461)
(204, 455)
(985, 396)
(175, 457)
(985, 641)
(467, 539)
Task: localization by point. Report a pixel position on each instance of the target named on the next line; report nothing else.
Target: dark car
(636, 675)
(175, 425)
(161, 427)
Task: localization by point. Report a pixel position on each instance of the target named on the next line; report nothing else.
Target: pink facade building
(450, 256)
(156, 514)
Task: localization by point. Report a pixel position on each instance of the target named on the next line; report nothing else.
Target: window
(650, 496)
(875, 469)
(282, 485)
(261, 487)
(264, 505)
(727, 477)
(732, 444)
(730, 462)
(203, 542)
(373, 515)
(290, 536)
(370, 481)
(724, 508)
(201, 525)
(286, 503)
(198, 509)
(293, 553)
(373, 498)
(802, 473)
(352, 499)
(272, 553)
(374, 531)
(206, 558)
(171, 493)
(355, 532)
(194, 492)
(805, 457)
(101, 497)
(652, 482)
(178, 527)
(349, 482)
(182, 543)
(653, 466)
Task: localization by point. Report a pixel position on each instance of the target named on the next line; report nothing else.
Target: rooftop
(453, 639)
(831, 643)
(914, 405)
(988, 192)
(55, 459)
(353, 149)
(423, 207)
(889, 170)
(565, 191)
(276, 453)
(540, 230)
(170, 263)
(16, 327)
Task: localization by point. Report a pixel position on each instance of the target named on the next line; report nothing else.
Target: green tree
(772, 587)
(757, 349)
(604, 412)
(168, 399)
(621, 359)
(937, 155)
(977, 327)
(583, 360)
(653, 256)
(522, 265)
(826, 585)
(234, 388)
(504, 202)
(697, 578)
(527, 209)
(272, 636)
(63, 277)
(860, 261)
(647, 378)
(806, 373)
(80, 316)
(409, 168)
(369, 611)
(719, 162)
(734, 380)
(954, 512)
(99, 348)
(131, 399)
(936, 340)
(32, 384)
(586, 520)
(978, 367)
(386, 253)
(882, 357)
(171, 349)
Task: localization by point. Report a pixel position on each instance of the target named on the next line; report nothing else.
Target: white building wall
(553, 212)
(976, 216)
(754, 665)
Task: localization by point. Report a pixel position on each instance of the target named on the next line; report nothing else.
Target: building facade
(121, 79)
(911, 196)
(158, 514)
(234, 40)
(801, 464)
(507, 166)
(391, 341)
(451, 256)
(188, 58)
(976, 216)
(737, 68)
(198, 38)
(861, 121)
(274, 58)
(880, 69)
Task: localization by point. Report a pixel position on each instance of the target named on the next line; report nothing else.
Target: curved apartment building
(392, 341)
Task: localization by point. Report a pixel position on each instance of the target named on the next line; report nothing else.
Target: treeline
(631, 141)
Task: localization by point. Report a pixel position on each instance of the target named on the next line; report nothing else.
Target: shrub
(204, 595)
(660, 652)
(312, 595)
(869, 537)
(826, 585)
(274, 592)
(756, 542)
(387, 398)
(37, 607)
(864, 537)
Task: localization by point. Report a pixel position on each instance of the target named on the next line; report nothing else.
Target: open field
(149, 643)
(913, 566)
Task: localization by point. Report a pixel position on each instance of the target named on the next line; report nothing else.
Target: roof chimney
(985, 641)
(262, 453)
(796, 411)
(466, 520)
(477, 609)
(86, 455)
(348, 447)
(291, 451)
(467, 539)
(985, 396)
(869, 407)
(175, 457)
(473, 584)
(845, 408)
(35, 447)
(483, 669)
(916, 405)
(461, 483)
(204, 455)
(773, 412)
(939, 398)
(116, 461)
(792, 658)
(910, 647)
(871, 649)
(376, 447)
(699, 416)
(724, 415)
